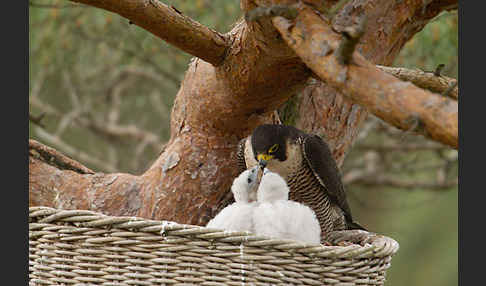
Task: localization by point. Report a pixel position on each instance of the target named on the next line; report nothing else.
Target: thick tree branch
(327, 111)
(427, 80)
(398, 103)
(59, 182)
(390, 26)
(170, 25)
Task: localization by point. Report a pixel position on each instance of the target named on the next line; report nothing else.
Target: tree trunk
(223, 96)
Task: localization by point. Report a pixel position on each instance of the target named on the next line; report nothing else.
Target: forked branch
(399, 103)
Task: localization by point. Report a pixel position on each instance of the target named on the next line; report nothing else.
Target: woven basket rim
(39, 216)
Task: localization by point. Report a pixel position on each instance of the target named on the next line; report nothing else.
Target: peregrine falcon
(276, 216)
(305, 162)
(238, 216)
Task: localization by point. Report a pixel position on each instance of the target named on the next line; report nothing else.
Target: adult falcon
(305, 162)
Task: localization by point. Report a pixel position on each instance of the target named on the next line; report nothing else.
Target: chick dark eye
(273, 149)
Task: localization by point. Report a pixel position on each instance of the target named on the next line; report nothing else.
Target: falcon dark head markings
(306, 163)
(268, 143)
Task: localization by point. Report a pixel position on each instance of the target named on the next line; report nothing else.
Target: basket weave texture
(79, 247)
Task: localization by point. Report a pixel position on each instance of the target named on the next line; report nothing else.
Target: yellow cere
(264, 157)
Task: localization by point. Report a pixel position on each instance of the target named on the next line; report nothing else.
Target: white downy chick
(275, 216)
(238, 216)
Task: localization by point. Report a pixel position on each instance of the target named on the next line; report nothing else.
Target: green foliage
(436, 44)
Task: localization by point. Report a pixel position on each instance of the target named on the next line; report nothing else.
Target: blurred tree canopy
(101, 91)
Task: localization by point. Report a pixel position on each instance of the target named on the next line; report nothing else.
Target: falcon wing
(240, 156)
(319, 157)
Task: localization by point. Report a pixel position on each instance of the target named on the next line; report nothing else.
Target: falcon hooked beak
(266, 154)
(263, 160)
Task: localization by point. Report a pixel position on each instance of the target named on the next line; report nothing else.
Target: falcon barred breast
(306, 163)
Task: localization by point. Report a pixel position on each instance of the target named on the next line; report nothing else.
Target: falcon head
(269, 142)
(245, 186)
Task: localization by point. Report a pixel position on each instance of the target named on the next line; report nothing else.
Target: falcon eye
(273, 149)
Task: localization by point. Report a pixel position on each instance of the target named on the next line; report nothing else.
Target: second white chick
(275, 216)
(238, 216)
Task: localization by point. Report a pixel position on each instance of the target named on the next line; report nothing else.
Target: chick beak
(262, 163)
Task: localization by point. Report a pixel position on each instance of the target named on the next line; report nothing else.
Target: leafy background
(104, 88)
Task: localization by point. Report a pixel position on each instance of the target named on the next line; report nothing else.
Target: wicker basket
(78, 247)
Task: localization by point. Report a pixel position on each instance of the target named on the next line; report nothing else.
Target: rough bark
(396, 102)
(218, 104)
(328, 112)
